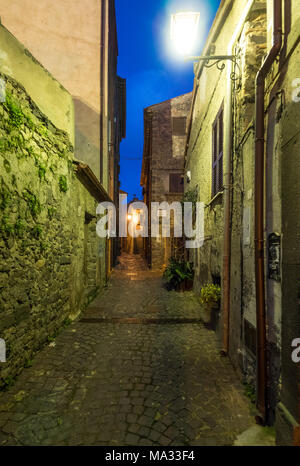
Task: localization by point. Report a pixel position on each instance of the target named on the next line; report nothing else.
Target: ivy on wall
(41, 240)
(26, 135)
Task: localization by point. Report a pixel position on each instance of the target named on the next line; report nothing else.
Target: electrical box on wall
(274, 257)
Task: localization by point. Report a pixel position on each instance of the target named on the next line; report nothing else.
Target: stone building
(163, 168)
(119, 134)
(82, 56)
(250, 189)
(49, 252)
(59, 157)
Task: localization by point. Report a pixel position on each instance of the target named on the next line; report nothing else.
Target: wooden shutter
(217, 153)
(220, 152)
(214, 160)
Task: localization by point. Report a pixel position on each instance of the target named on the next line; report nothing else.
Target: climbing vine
(14, 110)
(33, 203)
(63, 184)
(24, 134)
(42, 172)
(37, 231)
(35, 173)
(191, 195)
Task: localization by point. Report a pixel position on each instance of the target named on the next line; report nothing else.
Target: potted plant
(210, 299)
(179, 275)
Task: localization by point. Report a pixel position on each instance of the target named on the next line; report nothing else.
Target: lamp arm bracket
(218, 60)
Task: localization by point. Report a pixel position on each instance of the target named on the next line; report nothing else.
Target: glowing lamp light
(184, 28)
(135, 218)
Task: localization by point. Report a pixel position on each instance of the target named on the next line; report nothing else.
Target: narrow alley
(137, 368)
(150, 224)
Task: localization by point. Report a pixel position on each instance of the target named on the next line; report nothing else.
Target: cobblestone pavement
(138, 368)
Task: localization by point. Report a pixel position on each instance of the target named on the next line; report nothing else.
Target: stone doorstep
(137, 320)
(256, 436)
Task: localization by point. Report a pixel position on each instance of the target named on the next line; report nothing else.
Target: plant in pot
(179, 275)
(210, 299)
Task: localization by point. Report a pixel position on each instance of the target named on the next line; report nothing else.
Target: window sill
(218, 196)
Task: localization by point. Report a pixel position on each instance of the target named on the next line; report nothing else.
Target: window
(179, 126)
(175, 183)
(217, 154)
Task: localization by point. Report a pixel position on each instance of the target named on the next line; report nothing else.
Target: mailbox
(274, 257)
(2, 350)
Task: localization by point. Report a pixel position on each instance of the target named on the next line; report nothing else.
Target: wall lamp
(184, 28)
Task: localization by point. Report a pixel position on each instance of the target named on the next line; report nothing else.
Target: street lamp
(184, 28)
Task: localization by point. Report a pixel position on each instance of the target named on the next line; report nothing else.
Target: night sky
(152, 70)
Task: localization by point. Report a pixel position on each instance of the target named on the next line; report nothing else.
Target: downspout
(102, 69)
(227, 183)
(259, 210)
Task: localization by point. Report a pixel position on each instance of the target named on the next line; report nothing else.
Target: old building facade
(163, 168)
(250, 189)
(82, 56)
(59, 157)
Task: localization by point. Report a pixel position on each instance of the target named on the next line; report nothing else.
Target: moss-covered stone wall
(51, 261)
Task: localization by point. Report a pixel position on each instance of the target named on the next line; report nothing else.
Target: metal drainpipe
(102, 68)
(259, 211)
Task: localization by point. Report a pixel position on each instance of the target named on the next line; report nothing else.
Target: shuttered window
(179, 126)
(217, 154)
(175, 183)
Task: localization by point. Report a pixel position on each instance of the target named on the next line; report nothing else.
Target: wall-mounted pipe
(102, 80)
(262, 370)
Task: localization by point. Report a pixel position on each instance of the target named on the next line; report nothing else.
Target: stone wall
(283, 149)
(167, 157)
(281, 201)
(252, 46)
(51, 261)
(82, 56)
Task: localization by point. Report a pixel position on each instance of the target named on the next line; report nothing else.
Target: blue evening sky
(151, 68)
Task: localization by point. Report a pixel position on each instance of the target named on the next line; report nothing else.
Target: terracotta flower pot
(186, 285)
(209, 312)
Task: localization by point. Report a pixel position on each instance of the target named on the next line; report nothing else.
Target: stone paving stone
(154, 435)
(145, 442)
(164, 441)
(144, 432)
(111, 381)
(132, 439)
